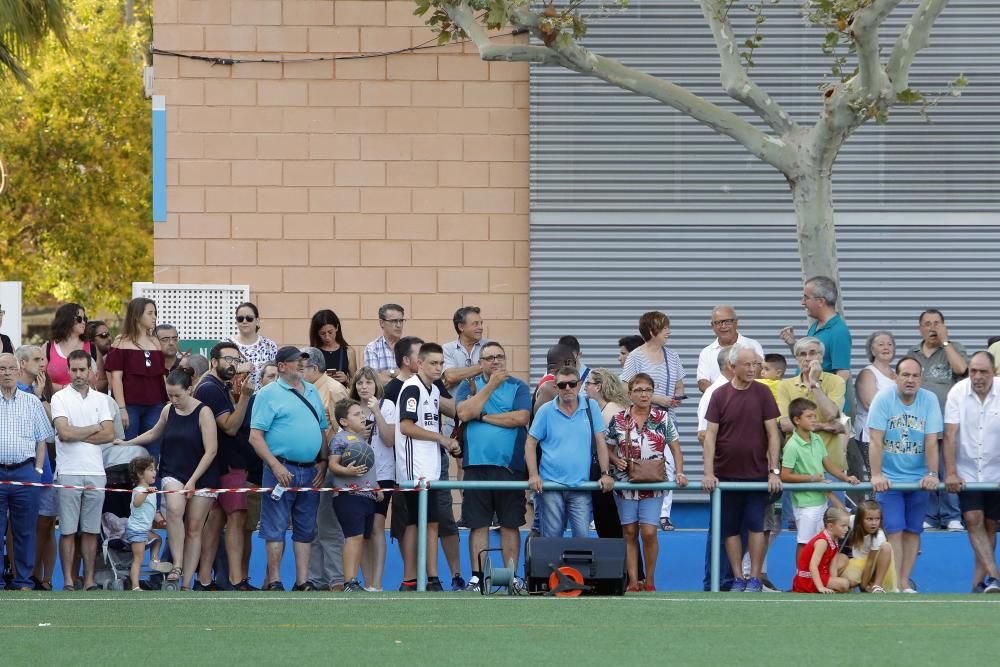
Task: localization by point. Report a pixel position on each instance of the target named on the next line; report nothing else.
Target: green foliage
(24, 24)
(75, 220)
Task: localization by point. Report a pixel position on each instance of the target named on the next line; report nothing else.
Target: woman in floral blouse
(644, 432)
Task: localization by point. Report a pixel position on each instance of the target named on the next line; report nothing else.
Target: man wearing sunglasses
(100, 344)
(569, 429)
(214, 390)
(496, 415)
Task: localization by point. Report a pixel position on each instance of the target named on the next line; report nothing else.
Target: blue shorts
(355, 513)
(743, 510)
(903, 510)
(47, 502)
(133, 536)
(644, 511)
(301, 506)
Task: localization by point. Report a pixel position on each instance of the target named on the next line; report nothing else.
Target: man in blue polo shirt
(819, 298)
(287, 430)
(496, 415)
(568, 430)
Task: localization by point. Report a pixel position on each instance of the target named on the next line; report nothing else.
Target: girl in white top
(872, 566)
(881, 347)
(380, 416)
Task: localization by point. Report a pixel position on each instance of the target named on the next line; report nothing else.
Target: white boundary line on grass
(722, 598)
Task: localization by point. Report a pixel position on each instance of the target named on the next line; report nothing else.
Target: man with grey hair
(380, 354)
(819, 298)
(724, 377)
(742, 444)
(198, 364)
(326, 553)
(725, 325)
(170, 344)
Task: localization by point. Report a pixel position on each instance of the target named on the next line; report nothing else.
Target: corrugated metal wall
(594, 280)
(598, 148)
(635, 207)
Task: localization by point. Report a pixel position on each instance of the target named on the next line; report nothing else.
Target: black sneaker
(306, 587)
(408, 587)
(245, 586)
(353, 586)
(274, 586)
(434, 585)
(210, 586)
(457, 583)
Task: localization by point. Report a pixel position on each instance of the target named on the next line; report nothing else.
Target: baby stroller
(111, 570)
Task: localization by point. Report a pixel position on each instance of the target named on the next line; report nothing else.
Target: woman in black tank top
(189, 438)
(326, 335)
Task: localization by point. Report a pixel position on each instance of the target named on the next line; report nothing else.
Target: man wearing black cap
(287, 430)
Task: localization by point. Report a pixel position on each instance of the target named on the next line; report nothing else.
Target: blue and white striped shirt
(379, 355)
(23, 423)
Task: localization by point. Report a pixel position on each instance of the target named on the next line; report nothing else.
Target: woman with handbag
(642, 441)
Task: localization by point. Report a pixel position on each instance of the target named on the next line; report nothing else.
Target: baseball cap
(289, 353)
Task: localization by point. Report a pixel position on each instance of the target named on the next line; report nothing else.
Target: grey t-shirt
(369, 479)
(938, 377)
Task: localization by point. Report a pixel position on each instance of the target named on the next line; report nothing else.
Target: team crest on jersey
(411, 405)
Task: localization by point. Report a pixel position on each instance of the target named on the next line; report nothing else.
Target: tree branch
(864, 30)
(772, 150)
(915, 36)
(736, 82)
(462, 16)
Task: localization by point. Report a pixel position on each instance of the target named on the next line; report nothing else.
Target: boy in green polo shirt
(804, 459)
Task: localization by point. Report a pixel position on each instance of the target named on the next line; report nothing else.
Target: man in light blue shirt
(568, 430)
(904, 423)
(288, 429)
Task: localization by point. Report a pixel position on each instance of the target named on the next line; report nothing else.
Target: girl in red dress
(820, 563)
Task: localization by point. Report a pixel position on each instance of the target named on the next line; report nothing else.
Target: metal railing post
(422, 537)
(715, 535)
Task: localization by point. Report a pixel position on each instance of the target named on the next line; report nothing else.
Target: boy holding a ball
(351, 462)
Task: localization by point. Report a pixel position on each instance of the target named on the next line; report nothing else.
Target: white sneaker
(928, 525)
(955, 525)
(909, 591)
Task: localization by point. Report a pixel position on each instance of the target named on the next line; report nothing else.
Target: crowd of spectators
(256, 414)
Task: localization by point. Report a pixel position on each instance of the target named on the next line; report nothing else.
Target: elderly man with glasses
(497, 409)
(725, 324)
(24, 428)
(568, 430)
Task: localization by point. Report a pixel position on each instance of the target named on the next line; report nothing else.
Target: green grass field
(465, 629)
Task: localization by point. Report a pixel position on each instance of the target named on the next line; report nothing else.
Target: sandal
(665, 523)
(174, 574)
(878, 589)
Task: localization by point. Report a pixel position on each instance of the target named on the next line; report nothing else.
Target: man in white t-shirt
(83, 422)
(723, 378)
(724, 323)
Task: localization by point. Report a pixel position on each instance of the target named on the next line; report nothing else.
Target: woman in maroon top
(136, 372)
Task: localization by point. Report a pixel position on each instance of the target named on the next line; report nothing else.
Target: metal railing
(715, 527)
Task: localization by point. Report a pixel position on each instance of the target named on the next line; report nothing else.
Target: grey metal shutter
(593, 275)
(595, 147)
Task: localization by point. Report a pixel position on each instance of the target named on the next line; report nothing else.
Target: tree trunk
(812, 193)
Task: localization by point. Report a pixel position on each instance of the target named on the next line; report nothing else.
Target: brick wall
(344, 184)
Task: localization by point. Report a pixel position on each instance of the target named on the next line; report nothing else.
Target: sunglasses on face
(81, 319)
(104, 334)
(245, 318)
(149, 362)
(569, 384)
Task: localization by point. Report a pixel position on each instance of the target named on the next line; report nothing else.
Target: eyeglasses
(168, 339)
(8, 369)
(148, 361)
(81, 319)
(573, 384)
(397, 322)
(493, 357)
(232, 360)
(721, 323)
(245, 318)
(642, 390)
(104, 334)
(593, 383)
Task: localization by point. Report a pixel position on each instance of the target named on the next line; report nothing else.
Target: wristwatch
(775, 471)
(946, 343)
(605, 473)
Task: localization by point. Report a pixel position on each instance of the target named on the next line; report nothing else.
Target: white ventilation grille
(200, 312)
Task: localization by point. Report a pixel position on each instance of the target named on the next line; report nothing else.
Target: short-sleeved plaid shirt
(380, 355)
(22, 424)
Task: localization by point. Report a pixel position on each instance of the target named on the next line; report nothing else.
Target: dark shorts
(447, 527)
(355, 513)
(479, 505)
(980, 501)
(382, 506)
(410, 501)
(743, 509)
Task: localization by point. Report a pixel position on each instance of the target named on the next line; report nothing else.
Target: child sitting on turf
(872, 565)
(355, 509)
(804, 459)
(139, 531)
(820, 566)
(772, 370)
